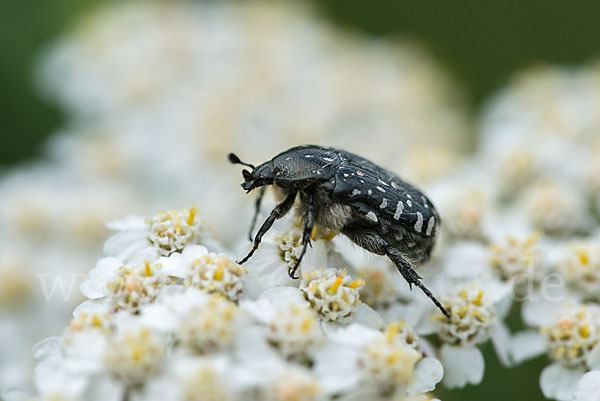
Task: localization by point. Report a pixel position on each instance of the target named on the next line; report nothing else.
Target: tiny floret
(471, 317)
(216, 273)
(134, 286)
(210, 327)
(573, 336)
(388, 361)
(171, 231)
(332, 293)
(295, 330)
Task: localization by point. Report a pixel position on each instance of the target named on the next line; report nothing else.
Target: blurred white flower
(581, 268)
(556, 208)
(134, 355)
(376, 365)
(201, 323)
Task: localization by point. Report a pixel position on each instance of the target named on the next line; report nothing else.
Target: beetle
(351, 195)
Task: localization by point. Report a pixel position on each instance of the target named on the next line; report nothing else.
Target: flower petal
(368, 317)
(132, 222)
(175, 265)
(462, 365)
(428, 373)
(501, 340)
(526, 345)
(588, 388)
(593, 358)
(559, 383)
(47, 349)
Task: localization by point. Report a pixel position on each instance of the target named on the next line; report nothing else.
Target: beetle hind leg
(372, 242)
(412, 277)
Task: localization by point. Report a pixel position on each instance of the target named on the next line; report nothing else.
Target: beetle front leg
(306, 234)
(256, 210)
(279, 211)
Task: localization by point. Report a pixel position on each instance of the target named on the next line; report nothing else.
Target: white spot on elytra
(430, 225)
(394, 185)
(383, 204)
(345, 175)
(425, 202)
(399, 209)
(362, 181)
(308, 156)
(370, 192)
(328, 159)
(409, 203)
(360, 173)
(408, 196)
(371, 216)
(355, 192)
(380, 189)
(383, 182)
(419, 223)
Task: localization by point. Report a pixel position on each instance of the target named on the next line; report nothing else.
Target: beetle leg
(411, 276)
(256, 210)
(372, 242)
(279, 211)
(308, 228)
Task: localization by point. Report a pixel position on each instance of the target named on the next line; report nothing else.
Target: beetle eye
(247, 175)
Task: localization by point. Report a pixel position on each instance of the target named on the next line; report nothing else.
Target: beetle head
(259, 176)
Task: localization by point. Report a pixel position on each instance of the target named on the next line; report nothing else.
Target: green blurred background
(480, 43)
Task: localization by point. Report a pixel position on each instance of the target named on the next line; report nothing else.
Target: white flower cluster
(151, 326)
(524, 212)
(171, 315)
(156, 94)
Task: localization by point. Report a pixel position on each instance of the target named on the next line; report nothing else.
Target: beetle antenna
(236, 160)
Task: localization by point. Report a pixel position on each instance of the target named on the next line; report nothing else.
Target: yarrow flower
(581, 268)
(518, 259)
(378, 289)
(163, 234)
(555, 208)
(209, 327)
(294, 330)
(573, 344)
(466, 215)
(126, 287)
(477, 310)
(378, 365)
(332, 293)
(279, 252)
(171, 231)
(388, 361)
(207, 271)
(135, 354)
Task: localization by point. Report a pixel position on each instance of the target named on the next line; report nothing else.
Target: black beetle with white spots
(348, 194)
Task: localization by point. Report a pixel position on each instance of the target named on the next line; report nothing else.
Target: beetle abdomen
(388, 198)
